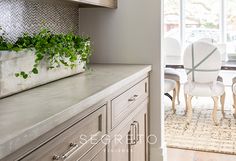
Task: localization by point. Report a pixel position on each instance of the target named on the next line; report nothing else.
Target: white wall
(130, 34)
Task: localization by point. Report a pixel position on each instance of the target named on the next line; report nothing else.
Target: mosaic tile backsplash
(18, 16)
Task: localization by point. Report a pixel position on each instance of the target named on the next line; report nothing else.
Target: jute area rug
(201, 134)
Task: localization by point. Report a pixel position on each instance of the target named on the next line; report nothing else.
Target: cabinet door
(131, 144)
(98, 153)
(139, 150)
(101, 156)
(119, 146)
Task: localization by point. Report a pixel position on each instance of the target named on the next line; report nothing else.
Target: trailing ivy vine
(55, 49)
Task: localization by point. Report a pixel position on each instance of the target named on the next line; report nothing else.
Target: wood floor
(188, 155)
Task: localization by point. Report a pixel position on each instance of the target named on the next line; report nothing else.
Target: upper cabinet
(97, 3)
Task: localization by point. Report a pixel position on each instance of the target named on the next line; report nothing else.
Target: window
(231, 27)
(201, 20)
(191, 20)
(172, 19)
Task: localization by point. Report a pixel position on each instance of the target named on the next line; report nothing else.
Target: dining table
(176, 62)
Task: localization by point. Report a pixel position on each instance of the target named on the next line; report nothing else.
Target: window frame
(222, 23)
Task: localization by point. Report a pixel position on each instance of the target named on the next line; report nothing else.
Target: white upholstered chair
(212, 41)
(208, 40)
(234, 95)
(202, 63)
(172, 47)
(221, 47)
(173, 74)
(170, 85)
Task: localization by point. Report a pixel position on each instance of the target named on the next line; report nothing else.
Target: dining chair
(170, 85)
(172, 47)
(211, 41)
(173, 74)
(234, 95)
(202, 63)
(221, 47)
(208, 40)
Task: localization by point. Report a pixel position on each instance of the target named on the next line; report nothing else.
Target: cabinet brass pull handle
(133, 98)
(73, 146)
(56, 157)
(132, 134)
(137, 131)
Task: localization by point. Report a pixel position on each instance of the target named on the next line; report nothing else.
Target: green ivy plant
(55, 49)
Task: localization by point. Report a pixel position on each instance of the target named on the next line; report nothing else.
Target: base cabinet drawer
(98, 153)
(75, 141)
(126, 102)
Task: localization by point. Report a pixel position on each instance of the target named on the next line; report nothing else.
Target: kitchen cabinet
(126, 102)
(98, 3)
(75, 141)
(139, 149)
(119, 146)
(98, 153)
(131, 144)
(119, 117)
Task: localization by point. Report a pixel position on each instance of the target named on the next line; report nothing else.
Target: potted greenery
(39, 59)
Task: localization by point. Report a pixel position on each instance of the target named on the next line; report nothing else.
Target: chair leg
(234, 98)
(189, 109)
(173, 100)
(214, 113)
(186, 104)
(222, 101)
(178, 91)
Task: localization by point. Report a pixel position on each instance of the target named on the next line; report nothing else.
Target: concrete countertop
(27, 115)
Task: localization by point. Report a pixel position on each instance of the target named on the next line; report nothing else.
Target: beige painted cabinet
(131, 144)
(119, 146)
(122, 116)
(98, 153)
(139, 149)
(76, 141)
(101, 3)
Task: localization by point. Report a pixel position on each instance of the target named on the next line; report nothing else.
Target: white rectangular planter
(14, 62)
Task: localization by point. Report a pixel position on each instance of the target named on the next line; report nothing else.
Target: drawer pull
(133, 98)
(137, 132)
(133, 134)
(73, 148)
(56, 157)
(73, 144)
